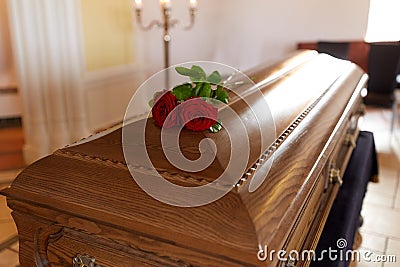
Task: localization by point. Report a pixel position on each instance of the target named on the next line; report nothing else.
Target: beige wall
(240, 33)
(6, 61)
(244, 33)
(111, 74)
(108, 33)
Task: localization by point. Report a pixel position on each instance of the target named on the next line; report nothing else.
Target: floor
(8, 231)
(381, 210)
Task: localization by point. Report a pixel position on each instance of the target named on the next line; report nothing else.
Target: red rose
(164, 103)
(198, 114)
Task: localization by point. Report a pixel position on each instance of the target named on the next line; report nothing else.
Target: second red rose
(197, 114)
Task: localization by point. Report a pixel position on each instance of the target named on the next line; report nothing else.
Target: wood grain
(82, 199)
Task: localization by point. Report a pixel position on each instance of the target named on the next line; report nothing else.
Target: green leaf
(214, 78)
(216, 127)
(183, 91)
(196, 73)
(151, 102)
(196, 90)
(185, 71)
(222, 95)
(200, 75)
(205, 90)
(213, 93)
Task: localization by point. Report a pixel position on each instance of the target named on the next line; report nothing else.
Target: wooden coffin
(82, 205)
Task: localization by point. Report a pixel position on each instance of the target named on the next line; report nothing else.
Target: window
(383, 21)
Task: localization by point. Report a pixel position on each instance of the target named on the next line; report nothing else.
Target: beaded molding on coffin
(278, 142)
(248, 174)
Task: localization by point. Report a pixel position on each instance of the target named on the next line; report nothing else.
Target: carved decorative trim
(43, 237)
(278, 142)
(250, 172)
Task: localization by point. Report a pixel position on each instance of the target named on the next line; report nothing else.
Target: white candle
(165, 3)
(193, 4)
(138, 4)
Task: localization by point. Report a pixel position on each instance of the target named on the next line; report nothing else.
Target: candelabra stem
(166, 50)
(166, 58)
(166, 24)
(166, 39)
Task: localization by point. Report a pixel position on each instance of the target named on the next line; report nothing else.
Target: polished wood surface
(358, 51)
(83, 200)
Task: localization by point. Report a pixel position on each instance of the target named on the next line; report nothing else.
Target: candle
(138, 4)
(193, 4)
(165, 3)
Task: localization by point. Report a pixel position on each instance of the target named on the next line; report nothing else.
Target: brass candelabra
(166, 23)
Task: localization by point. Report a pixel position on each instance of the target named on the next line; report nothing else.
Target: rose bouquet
(191, 104)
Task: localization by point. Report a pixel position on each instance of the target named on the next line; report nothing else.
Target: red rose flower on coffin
(164, 103)
(198, 114)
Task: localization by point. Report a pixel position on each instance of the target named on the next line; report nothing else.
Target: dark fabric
(336, 49)
(343, 219)
(383, 67)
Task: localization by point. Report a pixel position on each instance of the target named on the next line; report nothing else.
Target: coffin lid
(91, 180)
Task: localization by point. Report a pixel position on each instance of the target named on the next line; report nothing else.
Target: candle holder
(166, 23)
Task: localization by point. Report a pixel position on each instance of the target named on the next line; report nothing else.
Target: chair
(395, 112)
(383, 67)
(336, 49)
